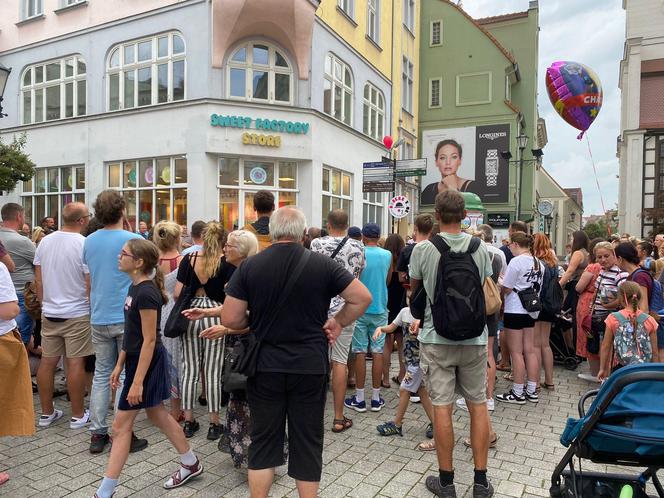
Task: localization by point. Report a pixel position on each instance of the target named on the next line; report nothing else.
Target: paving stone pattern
(357, 463)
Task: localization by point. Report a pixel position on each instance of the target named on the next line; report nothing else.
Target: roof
(505, 52)
(503, 17)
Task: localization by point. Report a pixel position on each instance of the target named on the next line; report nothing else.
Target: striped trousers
(201, 355)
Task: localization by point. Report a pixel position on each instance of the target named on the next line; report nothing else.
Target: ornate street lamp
(4, 76)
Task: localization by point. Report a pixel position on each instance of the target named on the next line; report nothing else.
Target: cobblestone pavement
(357, 463)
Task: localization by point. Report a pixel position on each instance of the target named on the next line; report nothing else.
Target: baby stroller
(562, 354)
(624, 426)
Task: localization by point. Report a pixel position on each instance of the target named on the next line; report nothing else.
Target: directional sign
(378, 176)
(411, 167)
(378, 187)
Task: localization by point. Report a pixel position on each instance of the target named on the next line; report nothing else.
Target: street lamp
(522, 143)
(4, 76)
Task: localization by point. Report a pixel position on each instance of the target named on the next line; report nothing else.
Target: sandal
(550, 387)
(504, 368)
(389, 429)
(509, 377)
(344, 423)
(492, 444)
(427, 445)
(386, 385)
(396, 380)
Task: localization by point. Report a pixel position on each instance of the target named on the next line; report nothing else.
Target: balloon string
(601, 197)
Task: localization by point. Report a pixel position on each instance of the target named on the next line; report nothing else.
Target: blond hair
(166, 235)
(214, 240)
(247, 243)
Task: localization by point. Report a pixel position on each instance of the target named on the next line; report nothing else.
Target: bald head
(75, 215)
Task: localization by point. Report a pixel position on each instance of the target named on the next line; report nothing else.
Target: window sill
(347, 16)
(30, 19)
(374, 43)
(73, 6)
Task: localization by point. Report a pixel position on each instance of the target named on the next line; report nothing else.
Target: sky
(591, 32)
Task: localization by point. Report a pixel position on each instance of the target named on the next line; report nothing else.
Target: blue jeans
(24, 321)
(107, 341)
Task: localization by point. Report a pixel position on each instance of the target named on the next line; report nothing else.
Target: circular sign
(399, 206)
(545, 207)
(258, 175)
(149, 175)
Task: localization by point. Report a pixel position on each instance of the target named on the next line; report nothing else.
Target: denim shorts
(364, 330)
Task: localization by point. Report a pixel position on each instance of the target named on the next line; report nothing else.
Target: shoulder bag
(529, 297)
(341, 244)
(241, 361)
(492, 299)
(177, 324)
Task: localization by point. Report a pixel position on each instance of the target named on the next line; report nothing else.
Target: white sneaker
(588, 377)
(490, 404)
(79, 423)
(46, 420)
(461, 403)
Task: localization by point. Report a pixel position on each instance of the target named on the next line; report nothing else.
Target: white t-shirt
(7, 294)
(521, 273)
(494, 252)
(60, 256)
(404, 318)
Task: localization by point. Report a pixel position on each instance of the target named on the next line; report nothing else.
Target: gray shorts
(452, 370)
(341, 347)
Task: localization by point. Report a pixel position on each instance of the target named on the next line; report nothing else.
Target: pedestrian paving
(357, 463)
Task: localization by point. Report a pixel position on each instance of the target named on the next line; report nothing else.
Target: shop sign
(260, 139)
(258, 175)
(399, 206)
(249, 123)
(499, 220)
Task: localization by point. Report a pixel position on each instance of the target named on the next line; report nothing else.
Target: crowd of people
(308, 309)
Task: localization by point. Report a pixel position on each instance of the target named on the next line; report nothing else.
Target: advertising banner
(468, 160)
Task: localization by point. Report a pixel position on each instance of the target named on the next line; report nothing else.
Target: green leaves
(15, 165)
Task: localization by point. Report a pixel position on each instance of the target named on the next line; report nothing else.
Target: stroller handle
(584, 398)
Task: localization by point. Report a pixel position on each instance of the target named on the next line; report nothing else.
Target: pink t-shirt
(612, 322)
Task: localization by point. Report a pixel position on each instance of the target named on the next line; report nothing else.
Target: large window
(240, 179)
(409, 15)
(154, 189)
(53, 90)
(260, 72)
(49, 190)
(31, 8)
(146, 72)
(407, 85)
(373, 121)
(337, 192)
(338, 90)
(373, 20)
(373, 208)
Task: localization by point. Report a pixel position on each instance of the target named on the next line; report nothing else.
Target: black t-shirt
(214, 287)
(296, 343)
(404, 259)
(508, 253)
(144, 296)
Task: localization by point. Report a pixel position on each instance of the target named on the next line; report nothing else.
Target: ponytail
(214, 239)
(147, 251)
(159, 283)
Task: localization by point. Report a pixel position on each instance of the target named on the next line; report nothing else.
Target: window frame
(407, 78)
(368, 105)
(440, 33)
(409, 16)
(29, 192)
(136, 66)
(345, 201)
(373, 20)
(373, 201)
(346, 91)
(440, 92)
(62, 82)
(271, 68)
(25, 9)
(347, 7)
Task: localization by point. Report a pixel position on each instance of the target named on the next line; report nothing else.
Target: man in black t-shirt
(292, 365)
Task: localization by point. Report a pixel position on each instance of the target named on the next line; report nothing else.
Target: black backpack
(457, 309)
(551, 295)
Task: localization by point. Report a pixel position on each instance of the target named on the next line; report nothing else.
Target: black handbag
(177, 324)
(529, 297)
(241, 361)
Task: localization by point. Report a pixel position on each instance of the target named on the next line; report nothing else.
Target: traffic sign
(410, 167)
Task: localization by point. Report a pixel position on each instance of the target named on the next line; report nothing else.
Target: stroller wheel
(556, 491)
(570, 363)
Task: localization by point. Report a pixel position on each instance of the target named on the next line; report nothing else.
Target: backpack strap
(474, 245)
(440, 244)
(641, 319)
(618, 316)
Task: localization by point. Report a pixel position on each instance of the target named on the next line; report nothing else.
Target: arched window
(53, 90)
(146, 72)
(373, 121)
(338, 90)
(259, 72)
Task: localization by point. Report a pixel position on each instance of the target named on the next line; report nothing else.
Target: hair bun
(162, 232)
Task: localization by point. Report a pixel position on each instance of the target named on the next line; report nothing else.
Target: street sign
(378, 187)
(378, 176)
(410, 167)
(399, 206)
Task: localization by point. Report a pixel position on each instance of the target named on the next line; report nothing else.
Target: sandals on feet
(389, 429)
(550, 387)
(503, 368)
(427, 445)
(508, 376)
(344, 423)
(492, 444)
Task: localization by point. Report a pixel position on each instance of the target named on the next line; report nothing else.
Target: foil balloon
(388, 141)
(575, 92)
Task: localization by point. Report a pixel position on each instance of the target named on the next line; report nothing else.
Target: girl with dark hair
(145, 363)
(628, 260)
(395, 297)
(448, 160)
(644, 250)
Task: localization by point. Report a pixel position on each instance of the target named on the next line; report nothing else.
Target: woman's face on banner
(448, 160)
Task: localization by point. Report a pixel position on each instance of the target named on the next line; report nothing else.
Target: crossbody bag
(529, 297)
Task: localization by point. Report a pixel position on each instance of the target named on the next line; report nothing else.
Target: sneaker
(376, 406)
(461, 403)
(177, 479)
(137, 444)
(510, 397)
(214, 432)
(46, 420)
(588, 378)
(490, 404)
(429, 432)
(79, 423)
(190, 428)
(433, 485)
(98, 442)
(358, 406)
(414, 398)
(533, 398)
(480, 491)
(389, 429)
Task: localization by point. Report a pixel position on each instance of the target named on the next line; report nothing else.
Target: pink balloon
(388, 141)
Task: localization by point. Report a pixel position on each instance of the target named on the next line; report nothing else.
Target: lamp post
(4, 76)
(522, 143)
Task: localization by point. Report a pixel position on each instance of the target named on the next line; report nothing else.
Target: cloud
(591, 32)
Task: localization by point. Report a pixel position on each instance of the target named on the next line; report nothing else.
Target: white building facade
(641, 141)
(188, 108)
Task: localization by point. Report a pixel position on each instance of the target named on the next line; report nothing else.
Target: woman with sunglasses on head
(145, 363)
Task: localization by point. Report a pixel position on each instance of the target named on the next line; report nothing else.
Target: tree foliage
(15, 165)
(598, 229)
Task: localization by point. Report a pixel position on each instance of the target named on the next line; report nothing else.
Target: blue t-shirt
(108, 285)
(374, 276)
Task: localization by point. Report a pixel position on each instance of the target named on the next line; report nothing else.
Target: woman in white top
(524, 271)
